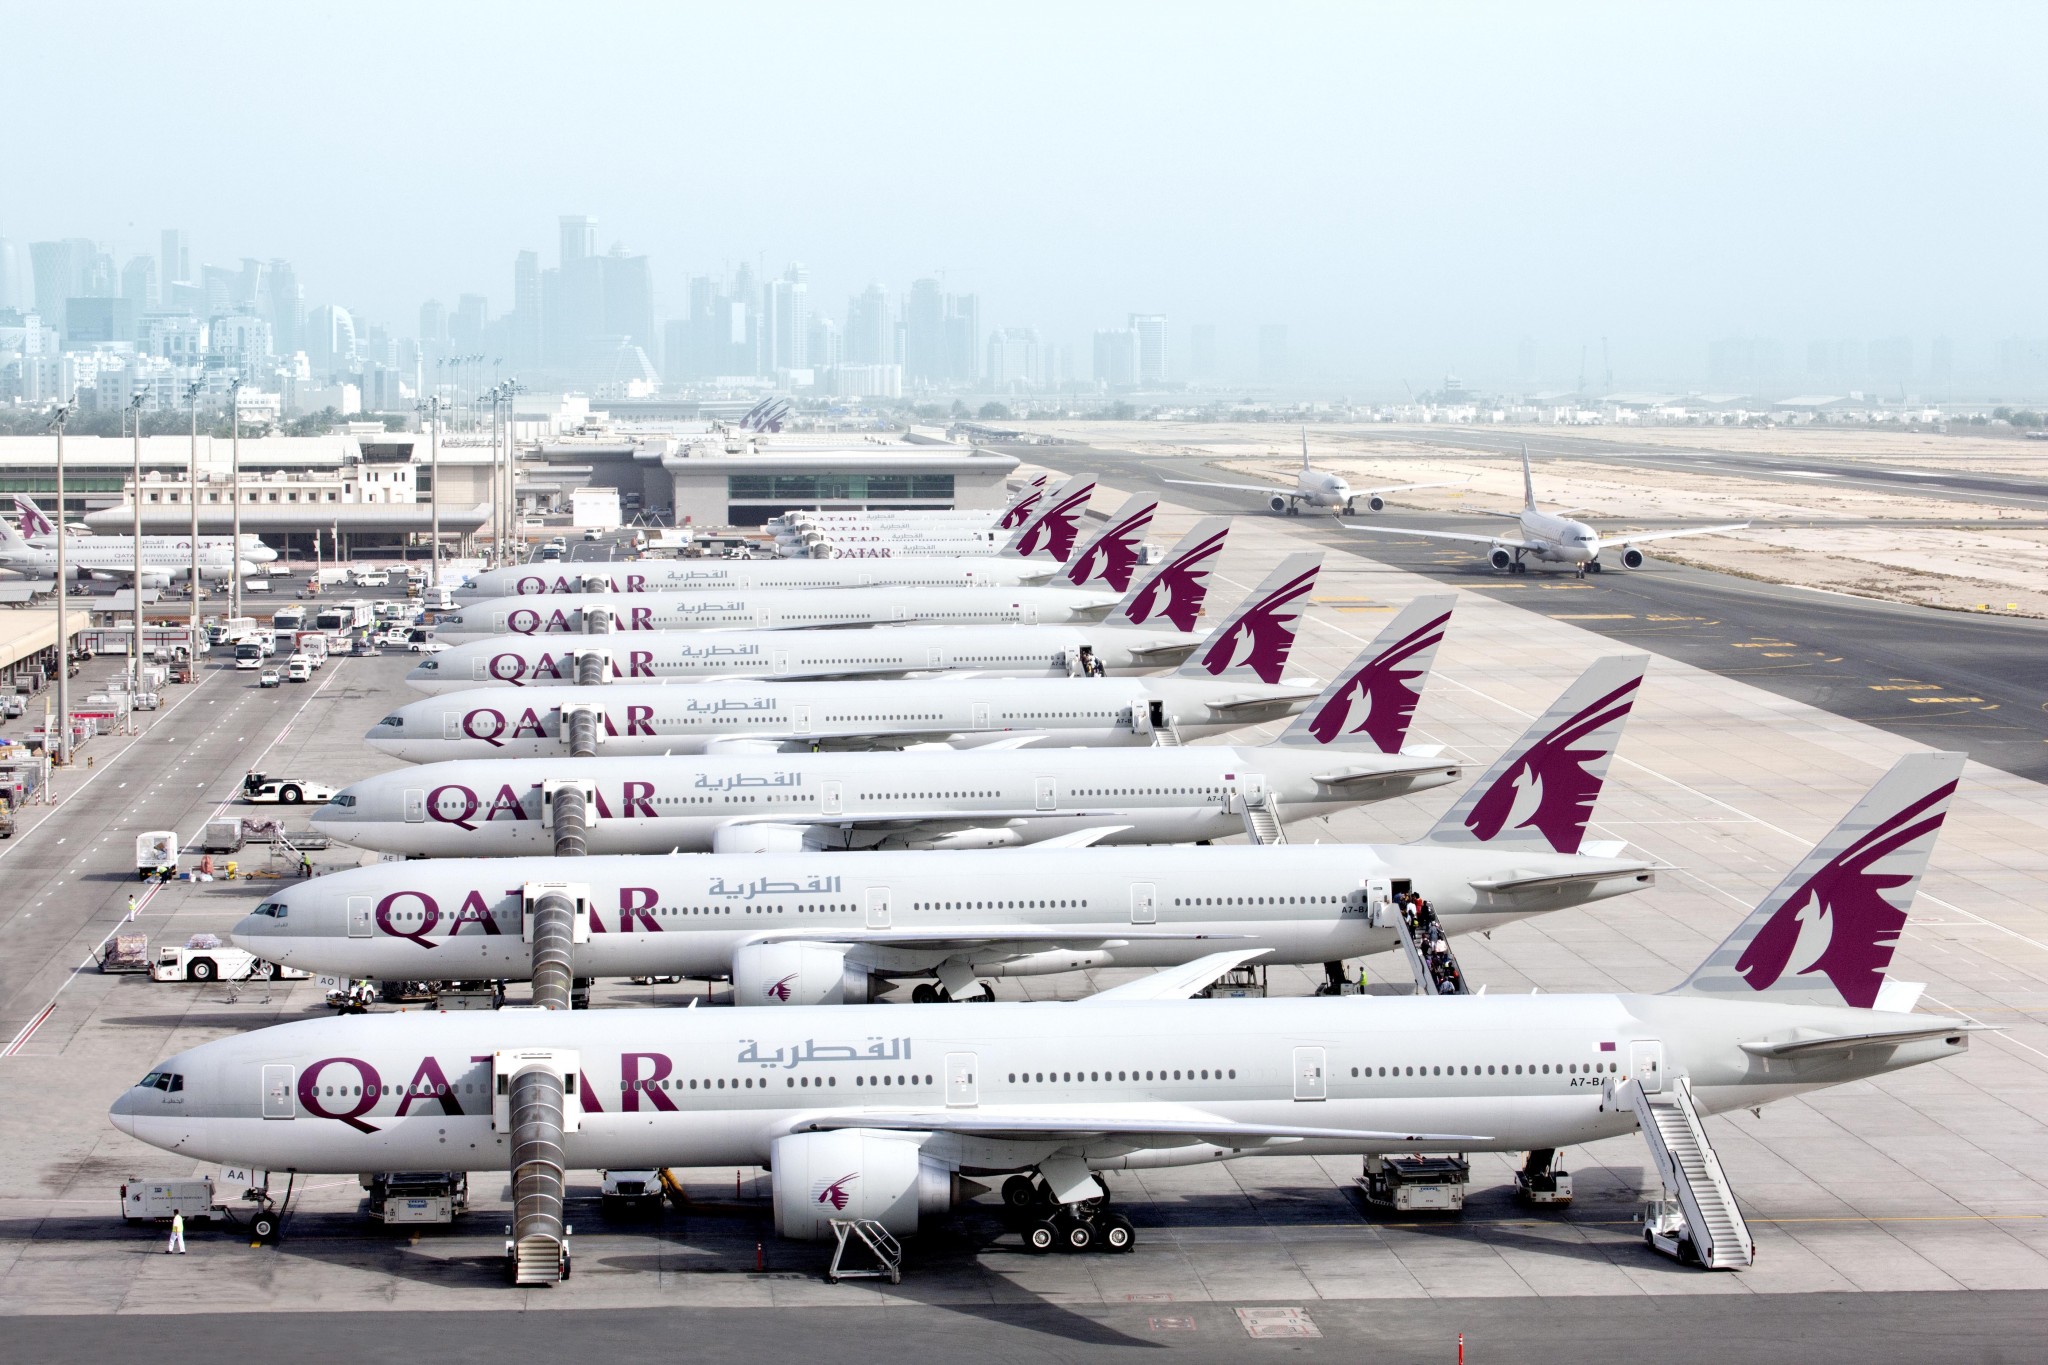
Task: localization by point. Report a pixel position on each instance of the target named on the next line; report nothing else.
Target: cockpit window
(162, 1080)
(395, 722)
(344, 800)
(429, 665)
(272, 910)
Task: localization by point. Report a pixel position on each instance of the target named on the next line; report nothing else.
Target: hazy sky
(1410, 188)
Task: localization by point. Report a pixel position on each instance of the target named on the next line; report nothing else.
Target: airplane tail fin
(10, 539)
(1050, 532)
(33, 522)
(1020, 507)
(1539, 795)
(1827, 933)
(1304, 449)
(1112, 556)
(1254, 641)
(1528, 483)
(1173, 590)
(1375, 694)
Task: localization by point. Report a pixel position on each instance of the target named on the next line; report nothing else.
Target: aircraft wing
(1606, 541)
(909, 819)
(1408, 487)
(1266, 488)
(994, 936)
(1179, 983)
(1140, 1124)
(1511, 542)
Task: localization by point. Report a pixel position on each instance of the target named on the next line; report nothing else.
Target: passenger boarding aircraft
(1316, 487)
(853, 1124)
(787, 932)
(1344, 750)
(1551, 537)
(892, 713)
(1150, 631)
(113, 557)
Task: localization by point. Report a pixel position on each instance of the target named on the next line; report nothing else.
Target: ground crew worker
(305, 865)
(131, 908)
(177, 1242)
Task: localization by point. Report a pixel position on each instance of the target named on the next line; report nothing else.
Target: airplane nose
(122, 1114)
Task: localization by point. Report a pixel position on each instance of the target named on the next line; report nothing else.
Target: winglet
(1376, 694)
(1173, 590)
(1539, 795)
(1255, 640)
(1826, 935)
(1112, 557)
(1179, 983)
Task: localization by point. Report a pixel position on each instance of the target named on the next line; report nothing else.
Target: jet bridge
(534, 1099)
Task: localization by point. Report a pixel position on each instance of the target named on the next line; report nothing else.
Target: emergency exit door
(878, 907)
(1311, 1074)
(451, 725)
(980, 715)
(1048, 791)
(361, 912)
(1646, 1064)
(963, 1085)
(415, 806)
(803, 718)
(279, 1099)
(1144, 903)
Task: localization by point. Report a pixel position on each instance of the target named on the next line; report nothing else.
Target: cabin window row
(1533, 1069)
(1082, 1077)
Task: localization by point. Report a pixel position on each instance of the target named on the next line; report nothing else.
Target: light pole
(433, 409)
(507, 389)
(135, 601)
(192, 398)
(61, 752)
(235, 492)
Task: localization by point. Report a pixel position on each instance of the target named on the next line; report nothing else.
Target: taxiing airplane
(1315, 488)
(858, 1120)
(38, 530)
(1151, 629)
(113, 557)
(1550, 537)
(805, 717)
(788, 933)
(1345, 750)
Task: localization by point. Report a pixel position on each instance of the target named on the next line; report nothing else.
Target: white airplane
(1551, 537)
(1110, 557)
(1315, 487)
(787, 933)
(113, 557)
(803, 717)
(944, 520)
(1150, 630)
(884, 535)
(37, 529)
(1344, 750)
(896, 1126)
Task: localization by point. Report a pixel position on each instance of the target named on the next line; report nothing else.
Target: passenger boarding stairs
(1686, 1163)
(1262, 820)
(1166, 736)
(1429, 950)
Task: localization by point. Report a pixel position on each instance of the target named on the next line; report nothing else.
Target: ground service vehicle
(262, 789)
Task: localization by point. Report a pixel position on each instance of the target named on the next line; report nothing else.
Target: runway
(1945, 679)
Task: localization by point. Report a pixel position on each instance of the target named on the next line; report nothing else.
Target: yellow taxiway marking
(1905, 687)
(1762, 644)
(1937, 701)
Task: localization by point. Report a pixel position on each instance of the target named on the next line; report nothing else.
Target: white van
(298, 668)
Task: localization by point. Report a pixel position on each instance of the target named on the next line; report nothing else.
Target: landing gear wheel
(1293, 509)
(925, 993)
(1041, 1237)
(1118, 1236)
(264, 1226)
(1019, 1192)
(1593, 567)
(1076, 1234)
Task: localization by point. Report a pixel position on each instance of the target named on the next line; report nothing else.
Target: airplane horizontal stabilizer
(1178, 983)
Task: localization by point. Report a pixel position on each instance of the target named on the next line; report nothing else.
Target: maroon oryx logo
(1549, 787)
(1267, 629)
(1388, 692)
(780, 990)
(1184, 580)
(835, 1192)
(33, 522)
(1021, 511)
(1057, 527)
(1846, 899)
(1114, 554)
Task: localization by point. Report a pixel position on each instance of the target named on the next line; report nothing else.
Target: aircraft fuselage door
(833, 801)
(1646, 1064)
(1253, 785)
(1144, 903)
(1155, 710)
(1028, 613)
(878, 907)
(280, 1098)
(1311, 1074)
(415, 805)
(803, 719)
(981, 712)
(781, 661)
(1048, 793)
(451, 725)
(1379, 900)
(361, 914)
(1141, 718)
(963, 1086)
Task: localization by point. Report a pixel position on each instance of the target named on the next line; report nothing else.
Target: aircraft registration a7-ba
(1232, 680)
(1315, 488)
(1149, 628)
(1551, 537)
(880, 1114)
(795, 929)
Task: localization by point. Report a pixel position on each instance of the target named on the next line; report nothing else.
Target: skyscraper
(174, 259)
(10, 276)
(63, 270)
(1116, 357)
(527, 321)
(287, 307)
(786, 319)
(870, 331)
(466, 323)
(1151, 330)
(138, 283)
(924, 320)
(963, 337)
(433, 327)
(579, 238)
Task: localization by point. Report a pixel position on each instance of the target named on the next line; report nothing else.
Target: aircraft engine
(1277, 503)
(1500, 559)
(155, 579)
(796, 974)
(1376, 503)
(1631, 558)
(758, 839)
(856, 1173)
